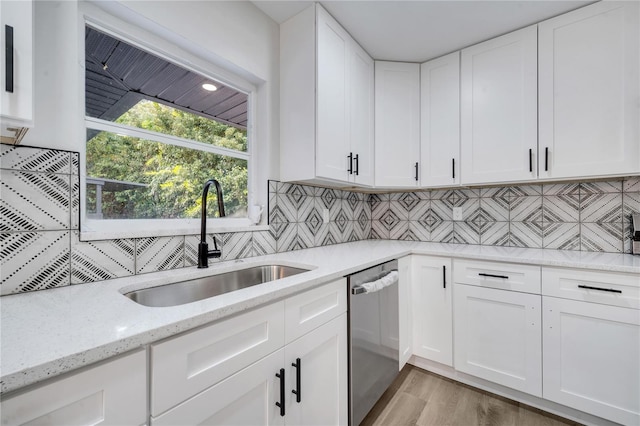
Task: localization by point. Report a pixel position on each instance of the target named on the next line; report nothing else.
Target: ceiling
(119, 75)
(416, 31)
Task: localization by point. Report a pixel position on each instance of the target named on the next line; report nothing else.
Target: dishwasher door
(373, 339)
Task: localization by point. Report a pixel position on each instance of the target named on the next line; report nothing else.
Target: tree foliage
(174, 175)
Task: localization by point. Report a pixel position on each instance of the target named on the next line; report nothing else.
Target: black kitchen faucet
(203, 248)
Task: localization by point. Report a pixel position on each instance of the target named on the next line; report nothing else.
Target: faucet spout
(203, 248)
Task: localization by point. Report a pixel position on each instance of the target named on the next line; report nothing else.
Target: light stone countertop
(47, 333)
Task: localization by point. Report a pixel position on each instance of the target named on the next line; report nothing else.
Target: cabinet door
(246, 398)
(590, 91)
(322, 387)
(592, 358)
(499, 109)
(361, 115)
(16, 108)
(113, 393)
(332, 145)
(498, 336)
(397, 124)
(405, 323)
(440, 121)
(432, 313)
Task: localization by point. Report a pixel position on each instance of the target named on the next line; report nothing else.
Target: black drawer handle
(416, 166)
(281, 403)
(8, 53)
(493, 276)
(357, 164)
(453, 168)
(297, 392)
(350, 157)
(531, 160)
(610, 290)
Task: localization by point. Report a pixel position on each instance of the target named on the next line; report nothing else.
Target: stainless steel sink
(214, 285)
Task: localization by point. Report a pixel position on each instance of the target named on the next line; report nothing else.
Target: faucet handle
(214, 253)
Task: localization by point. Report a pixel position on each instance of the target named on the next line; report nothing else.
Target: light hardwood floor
(418, 397)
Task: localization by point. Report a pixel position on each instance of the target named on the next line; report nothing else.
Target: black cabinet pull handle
(530, 160)
(281, 403)
(416, 166)
(493, 276)
(350, 157)
(8, 54)
(444, 276)
(610, 290)
(546, 159)
(453, 168)
(357, 164)
(297, 391)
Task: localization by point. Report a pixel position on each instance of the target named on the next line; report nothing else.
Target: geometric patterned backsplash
(39, 222)
(588, 216)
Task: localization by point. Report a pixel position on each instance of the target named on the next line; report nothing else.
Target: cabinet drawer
(188, 364)
(503, 276)
(608, 288)
(113, 393)
(309, 310)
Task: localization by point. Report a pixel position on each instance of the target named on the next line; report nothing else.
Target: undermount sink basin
(214, 285)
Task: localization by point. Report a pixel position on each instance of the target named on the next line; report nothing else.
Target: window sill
(99, 230)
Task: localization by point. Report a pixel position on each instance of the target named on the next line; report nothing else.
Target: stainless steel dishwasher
(373, 336)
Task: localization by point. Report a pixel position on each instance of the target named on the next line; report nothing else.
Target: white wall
(235, 36)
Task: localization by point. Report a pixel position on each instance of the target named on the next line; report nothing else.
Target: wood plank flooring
(418, 397)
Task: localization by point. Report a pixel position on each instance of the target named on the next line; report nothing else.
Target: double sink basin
(202, 288)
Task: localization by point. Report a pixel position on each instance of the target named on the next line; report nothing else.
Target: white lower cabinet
(249, 396)
(405, 311)
(112, 393)
(316, 369)
(498, 336)
(592, 358)
(431, 288)
(244, 370)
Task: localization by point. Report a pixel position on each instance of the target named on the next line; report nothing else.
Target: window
(156, 132)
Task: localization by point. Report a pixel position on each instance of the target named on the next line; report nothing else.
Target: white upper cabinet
(589, 94)
(499, 109)
(361, 115)
(326, 102)
(332, 97)
(397, 124)
(16, 69)
(440, 121)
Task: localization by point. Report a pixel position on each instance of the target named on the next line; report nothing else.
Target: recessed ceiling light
(210, 87)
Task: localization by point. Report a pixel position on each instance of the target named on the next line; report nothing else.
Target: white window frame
(97, 229)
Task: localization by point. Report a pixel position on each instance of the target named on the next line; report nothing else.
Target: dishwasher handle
(358, 290)
(365, 287)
